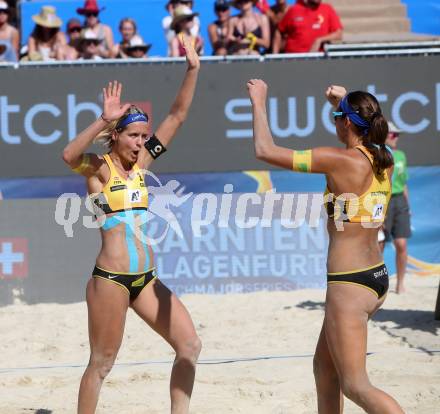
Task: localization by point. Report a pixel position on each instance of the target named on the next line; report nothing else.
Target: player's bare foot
(400, 289)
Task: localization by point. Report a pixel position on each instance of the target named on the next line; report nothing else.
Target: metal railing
(331, 52)
(345, 47)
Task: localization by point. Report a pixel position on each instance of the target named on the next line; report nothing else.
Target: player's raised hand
(192, 58)
(334, 94)
(257, 90)
(113, 109)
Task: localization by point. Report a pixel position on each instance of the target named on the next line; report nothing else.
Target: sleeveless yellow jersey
(120, 194)
(370, 207)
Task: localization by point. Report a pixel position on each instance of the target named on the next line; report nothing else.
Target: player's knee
(190, 349)
(401, 246)
(195, 347)
(103, 362)
(355, 389)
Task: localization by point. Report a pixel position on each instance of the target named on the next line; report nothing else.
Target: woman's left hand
(257, 89)
(192, 58)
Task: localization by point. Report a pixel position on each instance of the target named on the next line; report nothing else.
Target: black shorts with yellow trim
(374, 278)
(132, 282)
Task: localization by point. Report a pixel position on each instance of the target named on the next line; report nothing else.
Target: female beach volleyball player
(124, 274)
(356, 198)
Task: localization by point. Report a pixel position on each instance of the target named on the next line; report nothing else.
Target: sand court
(257, 355)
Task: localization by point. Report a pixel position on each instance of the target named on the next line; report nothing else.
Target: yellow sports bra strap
(302, 161)
(85, 163)
(110, 164)
(367, 153)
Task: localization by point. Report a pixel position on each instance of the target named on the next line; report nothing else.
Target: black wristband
(154, 147)
(105, 120)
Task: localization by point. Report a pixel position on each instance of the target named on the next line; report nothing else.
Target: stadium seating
(376, 21)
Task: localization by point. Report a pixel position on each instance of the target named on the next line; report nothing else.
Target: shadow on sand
(405, 323)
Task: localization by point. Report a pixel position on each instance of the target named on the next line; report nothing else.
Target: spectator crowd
(242, 27)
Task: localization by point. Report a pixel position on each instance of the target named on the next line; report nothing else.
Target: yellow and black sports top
(120, 194)
(370, 207)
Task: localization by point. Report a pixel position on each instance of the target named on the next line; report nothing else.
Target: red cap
(90, 6)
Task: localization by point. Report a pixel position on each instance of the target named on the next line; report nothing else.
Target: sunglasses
(90, 14)
(75, 30)
(221, 9)
(4, 11)
(91, 42)
(393, 135)
(340, 114)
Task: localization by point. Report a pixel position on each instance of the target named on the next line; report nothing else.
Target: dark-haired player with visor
(357, 194)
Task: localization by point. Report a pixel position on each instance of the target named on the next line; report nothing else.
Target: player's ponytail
(372, 127)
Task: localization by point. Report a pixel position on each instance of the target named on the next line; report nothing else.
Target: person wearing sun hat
(182, 23)
(397, 226)
(9, 35)
(89, 45)
(169, 33)
(91, 11)
(46, 41)
(137, 48)
(182, 13)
